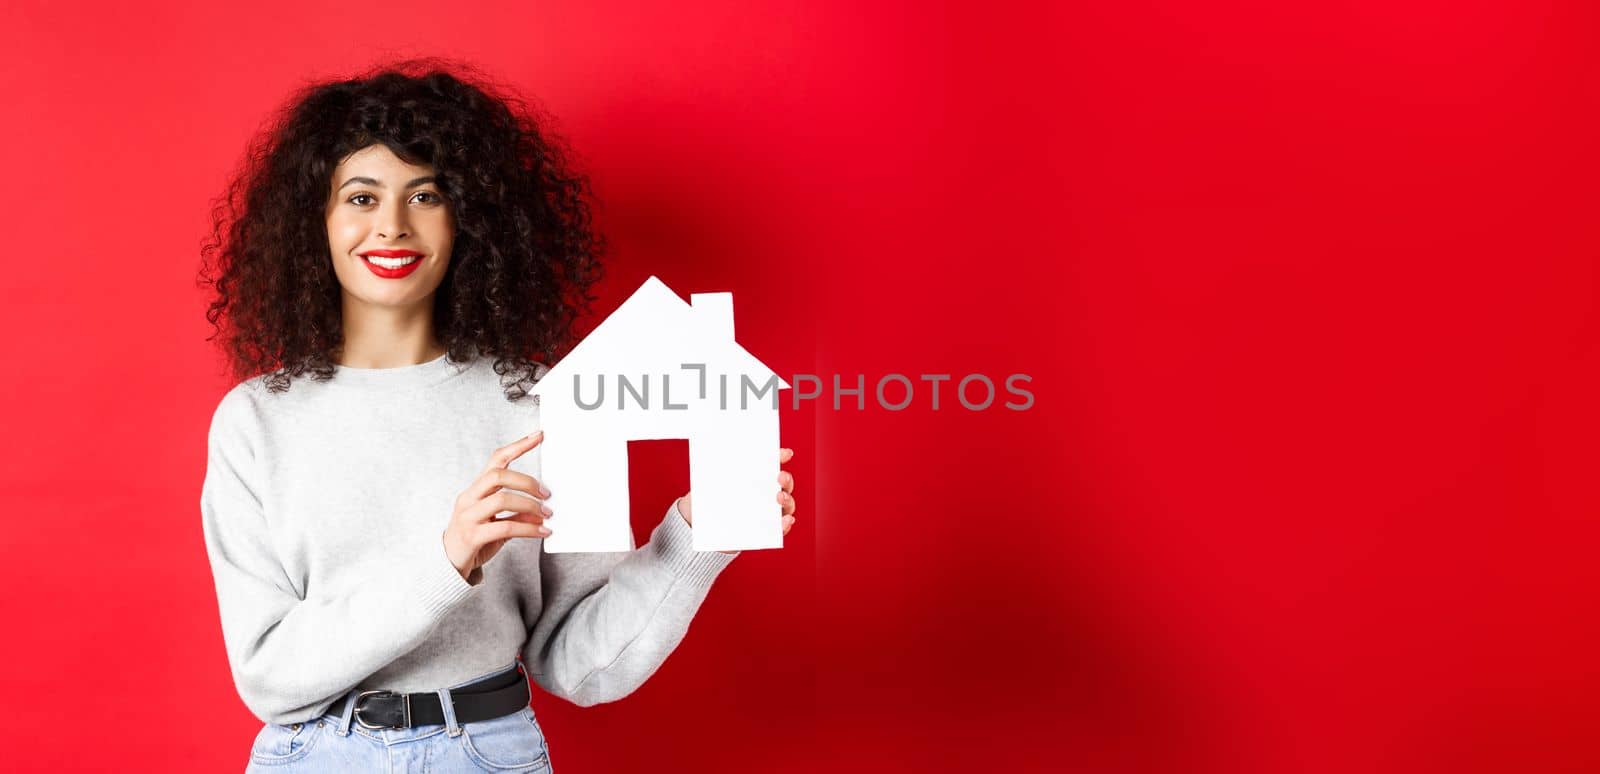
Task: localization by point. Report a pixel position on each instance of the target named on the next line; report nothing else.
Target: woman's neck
(393, 353)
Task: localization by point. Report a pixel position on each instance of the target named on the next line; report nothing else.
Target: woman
(350, 515)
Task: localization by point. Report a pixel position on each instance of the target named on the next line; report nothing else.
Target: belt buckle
(405, 704)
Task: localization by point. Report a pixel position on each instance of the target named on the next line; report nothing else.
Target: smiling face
(380, 204)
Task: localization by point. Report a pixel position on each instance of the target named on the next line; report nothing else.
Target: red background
(1307, 298)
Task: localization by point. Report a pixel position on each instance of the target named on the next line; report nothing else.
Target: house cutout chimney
(714, 313)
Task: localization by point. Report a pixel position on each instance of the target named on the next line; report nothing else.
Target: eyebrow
(370, 181)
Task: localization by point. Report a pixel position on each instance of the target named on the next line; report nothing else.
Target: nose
(392, 222)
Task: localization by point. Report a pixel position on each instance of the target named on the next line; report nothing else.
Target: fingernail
(545, 509)
(544, 532)
(544, 490)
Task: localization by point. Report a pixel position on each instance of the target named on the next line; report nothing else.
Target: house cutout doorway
(658, 474)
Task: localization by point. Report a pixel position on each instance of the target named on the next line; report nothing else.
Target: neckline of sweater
(411, 376)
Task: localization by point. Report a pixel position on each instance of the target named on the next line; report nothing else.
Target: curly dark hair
(524, 257)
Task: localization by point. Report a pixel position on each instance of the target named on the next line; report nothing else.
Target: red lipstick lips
(393, 270)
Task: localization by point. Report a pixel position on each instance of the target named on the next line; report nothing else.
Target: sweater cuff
(672, 543)
(441, 585)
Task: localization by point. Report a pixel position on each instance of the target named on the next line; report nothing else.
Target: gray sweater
(323, 509)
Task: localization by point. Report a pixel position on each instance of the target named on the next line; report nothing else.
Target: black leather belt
(494, 696)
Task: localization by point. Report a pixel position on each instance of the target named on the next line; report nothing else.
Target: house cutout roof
(656, 318)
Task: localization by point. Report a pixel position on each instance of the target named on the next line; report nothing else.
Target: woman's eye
(433, 198)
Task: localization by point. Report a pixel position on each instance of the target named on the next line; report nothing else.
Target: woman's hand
(474, 535)
(785, 496)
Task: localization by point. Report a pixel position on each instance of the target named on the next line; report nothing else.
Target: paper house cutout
(658, 368)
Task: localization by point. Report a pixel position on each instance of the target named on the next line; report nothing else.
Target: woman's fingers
(511, 527)
(786, 486)
(495, 478)
(505, 454)
(526, 518)
(506, 500)
(497, 474)
(472, 524)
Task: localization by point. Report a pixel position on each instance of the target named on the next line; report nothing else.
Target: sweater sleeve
(292, 657)
(611, 619)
